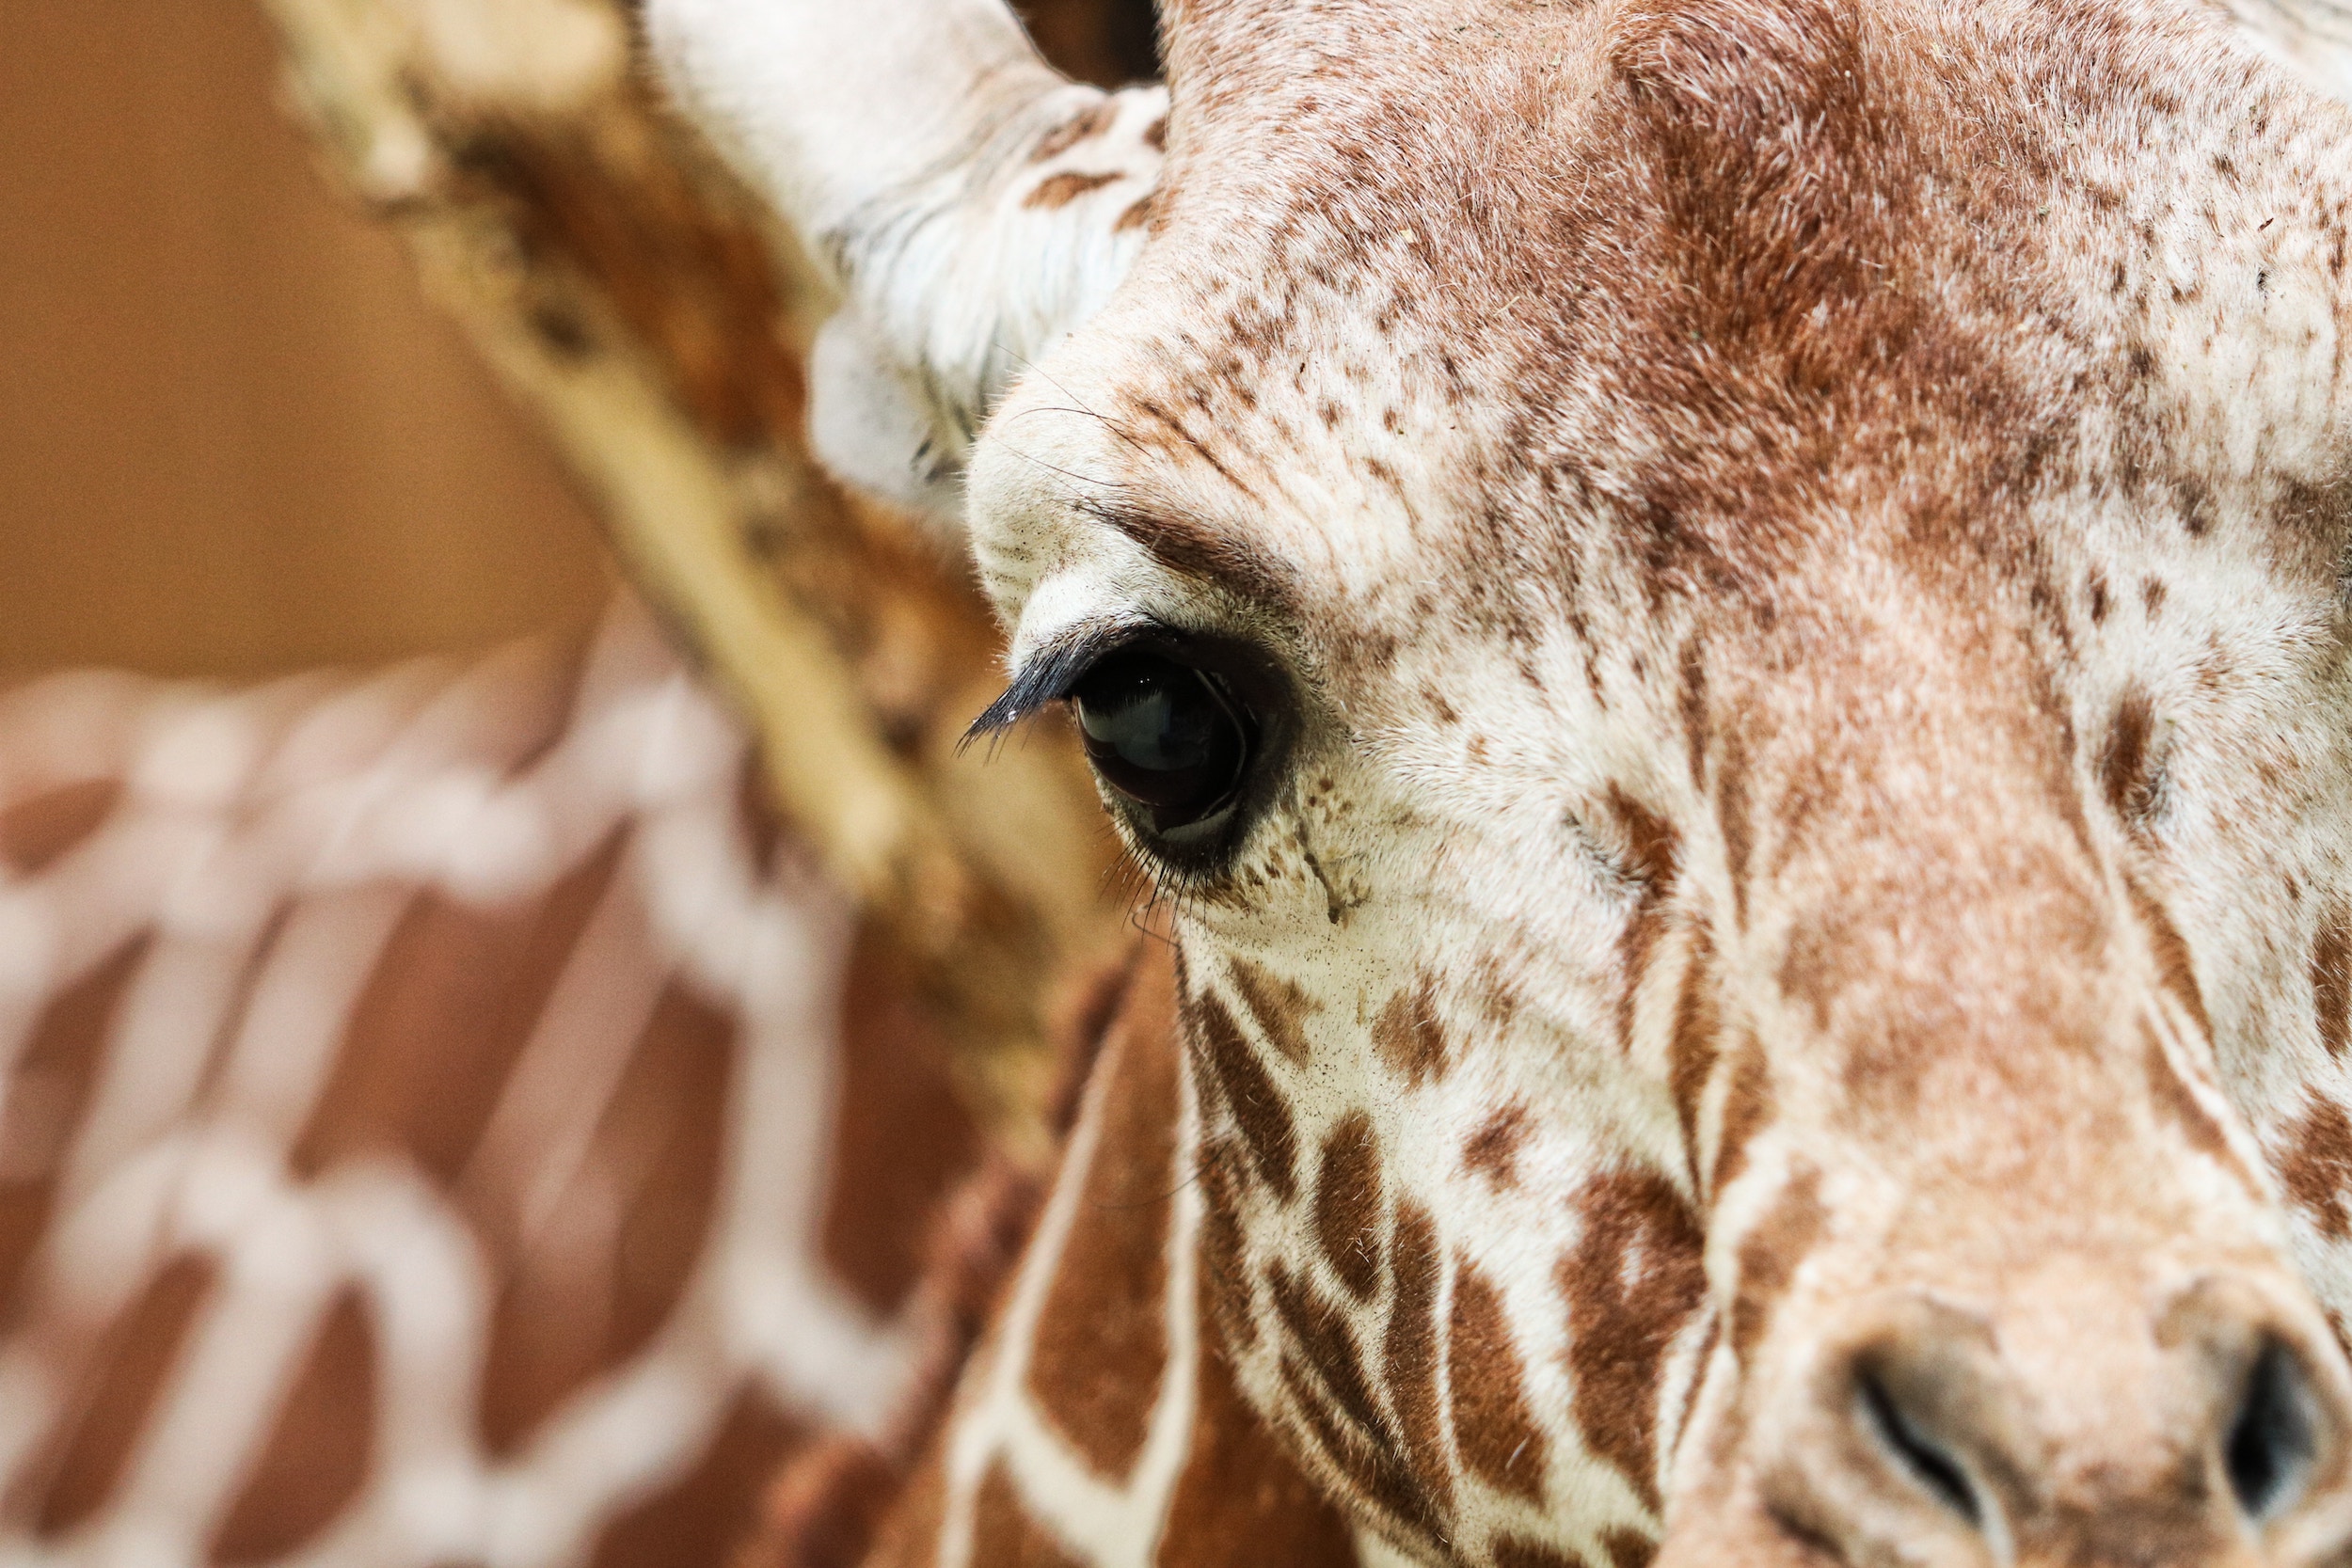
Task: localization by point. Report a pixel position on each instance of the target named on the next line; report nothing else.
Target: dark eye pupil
(1162, 733)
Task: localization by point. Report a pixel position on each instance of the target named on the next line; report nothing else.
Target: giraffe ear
(2313, 38)
(974, 206)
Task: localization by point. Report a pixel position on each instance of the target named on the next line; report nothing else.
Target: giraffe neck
(1098, 1425)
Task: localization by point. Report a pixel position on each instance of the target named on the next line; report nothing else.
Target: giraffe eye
(1168, 736)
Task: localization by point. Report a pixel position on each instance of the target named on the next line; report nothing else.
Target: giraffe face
(1723, 623)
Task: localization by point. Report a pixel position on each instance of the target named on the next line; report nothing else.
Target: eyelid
(1046, 675)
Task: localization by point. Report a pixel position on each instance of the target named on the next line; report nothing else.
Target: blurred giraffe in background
(443, 1123)
(1724, 624)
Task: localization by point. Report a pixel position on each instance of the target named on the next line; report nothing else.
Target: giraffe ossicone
(1723, 623)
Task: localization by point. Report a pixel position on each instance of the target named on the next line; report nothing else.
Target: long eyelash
(1048, 674)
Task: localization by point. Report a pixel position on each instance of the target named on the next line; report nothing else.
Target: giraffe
(433, 1122)
(1721, 624)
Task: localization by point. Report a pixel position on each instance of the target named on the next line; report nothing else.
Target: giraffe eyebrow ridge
(1194, 549)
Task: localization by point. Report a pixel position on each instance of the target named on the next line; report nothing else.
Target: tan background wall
(233, 437)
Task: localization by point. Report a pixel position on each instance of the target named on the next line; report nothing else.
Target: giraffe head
(1724, 622)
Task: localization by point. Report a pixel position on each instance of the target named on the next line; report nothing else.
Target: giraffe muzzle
(2210, 1423)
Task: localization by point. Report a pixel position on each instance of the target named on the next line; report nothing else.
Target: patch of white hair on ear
(869, 428)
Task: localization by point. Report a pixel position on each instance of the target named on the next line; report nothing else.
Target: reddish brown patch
(1409, 1354)
(1409, 1037)
(1139, 214)
(1693, 1050)
(1513, 1551)
(1155, 135)
(1102, 1343)
(1770, 1256)
(1497, 1437)
(1367, 1464)
(36, 833)
(824, 1507)
(909, 1535)
(1748, 1106)
(1328, 1351)
(1005, 1532)
(48, 1094)
(1060, 190)
(1812, 970)
(1279, 1007)
(1629, 1548)
(2316, 1168)
(1493, 1150)
(453, 1000)
(2173, 1099)
(1348, 1201)
(2175, 970)
(1653, 857)
(1632, 1282)
(573, 1306)
(2331, 979)
(1088, 123)
(901, 1138)
(1224, 1254)
(1241, 1082)
(1240, 1499)
(317, 1458)
(2126, 776)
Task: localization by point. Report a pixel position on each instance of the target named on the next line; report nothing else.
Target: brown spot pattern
(1497, 1435)
(2124, 770)
(1693, 1049)
(554, 1326)
(1277, 1005)
(1493, 1150)
(1088, 123)
(902, 1137)
(1224, 1253)
(1409, 1037)
(1653, 857)
(1367, 1464)
(36, 833)
(1628, 1549)
(1747, 1107)
(1348, 1199)
(1004, 1535)
(2316, 1168)
(1770, 1255)
(2174, 1100)
(1516, 1551)
(1241, 1083)
(1411, 1352)
(1060, 190)
(1633, 1280)
(2175, 970)
(1103, 1319)
(1321, 1333)
(2331, 979)
(1240, 1499)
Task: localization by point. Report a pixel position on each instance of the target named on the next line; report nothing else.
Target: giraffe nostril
(2272, 1442)
(1927, 1461)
